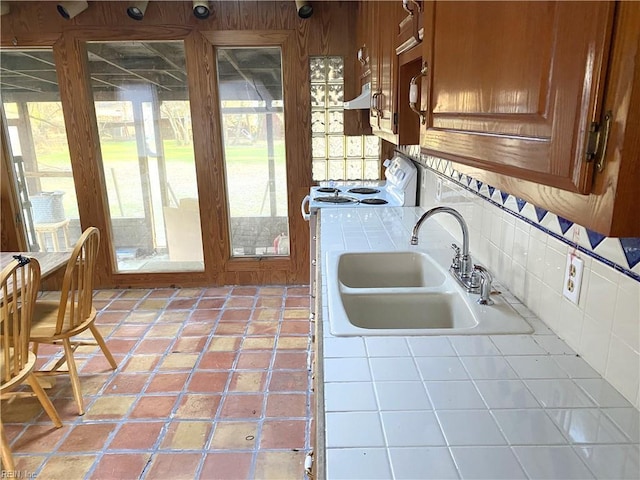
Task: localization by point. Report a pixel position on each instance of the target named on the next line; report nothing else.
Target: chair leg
(103, 345)
(44, 400)
(5, 453)
(73, 374)
(34, 349)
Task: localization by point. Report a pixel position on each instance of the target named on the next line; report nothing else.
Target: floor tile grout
(169, 316)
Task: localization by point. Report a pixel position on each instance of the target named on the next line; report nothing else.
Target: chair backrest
(76, 295)
(19, 284)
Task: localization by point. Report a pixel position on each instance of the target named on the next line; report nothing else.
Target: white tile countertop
(466, 406)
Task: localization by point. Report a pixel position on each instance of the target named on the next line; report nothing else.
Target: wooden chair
(58, 322)
(19, 282)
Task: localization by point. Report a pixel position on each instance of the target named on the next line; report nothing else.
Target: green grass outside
(246, 167)
(126, 151)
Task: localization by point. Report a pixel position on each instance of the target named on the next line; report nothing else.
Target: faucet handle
(456, 257)
(485, 284)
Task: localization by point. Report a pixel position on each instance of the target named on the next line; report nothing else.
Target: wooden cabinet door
(372, 12)
(390, 14)
(513, 87)
(385, 18)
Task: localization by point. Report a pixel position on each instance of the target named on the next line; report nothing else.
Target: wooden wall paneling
(84, 145)
(39, 23)
(298, 146)
(208, 148)
(275, 16)
(229, 14)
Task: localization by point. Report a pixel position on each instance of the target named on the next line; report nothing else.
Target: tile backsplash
(526, 249)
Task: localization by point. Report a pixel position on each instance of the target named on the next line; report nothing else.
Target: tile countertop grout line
(489, 409)
(547, 349)
(380, 419)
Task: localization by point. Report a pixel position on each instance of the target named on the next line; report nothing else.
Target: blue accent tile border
(441, 167)
(540, 213)
(565, 224)
(631, 248)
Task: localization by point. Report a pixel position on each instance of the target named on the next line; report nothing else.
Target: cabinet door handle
(405, 5)
(413, 94)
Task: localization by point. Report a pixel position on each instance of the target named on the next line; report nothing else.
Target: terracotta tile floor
(211, 384)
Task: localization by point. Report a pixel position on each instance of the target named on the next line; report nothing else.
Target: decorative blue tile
(540, 213)
(608, 254)
(564, 224)
(491, 190)
(631, 248)
(594, 238)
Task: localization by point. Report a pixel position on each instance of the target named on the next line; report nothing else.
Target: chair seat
(18, 379)
(45, 316)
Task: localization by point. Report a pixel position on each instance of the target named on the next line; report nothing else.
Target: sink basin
(388, 269)
(408, 310)
(407, 293)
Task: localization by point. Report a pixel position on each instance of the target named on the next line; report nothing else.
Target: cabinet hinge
(597, 141)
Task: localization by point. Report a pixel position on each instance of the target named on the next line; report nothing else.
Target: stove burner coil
(336, 199)
(373, 201)
(327, 190)
(364, 190)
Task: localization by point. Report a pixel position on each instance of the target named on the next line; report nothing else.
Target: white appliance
(398, 190)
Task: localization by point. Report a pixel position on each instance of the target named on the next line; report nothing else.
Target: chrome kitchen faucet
(473, 278)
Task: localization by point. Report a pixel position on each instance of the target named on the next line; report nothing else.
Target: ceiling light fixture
(136, 9)
(304, 8)
(201, 9)
(69, 10)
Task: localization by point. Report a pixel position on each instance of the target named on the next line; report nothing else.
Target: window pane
(38, 145)
(250, 84)
(144, 122)
(328, 144)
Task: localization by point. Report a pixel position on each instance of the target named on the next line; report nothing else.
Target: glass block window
(335, 155)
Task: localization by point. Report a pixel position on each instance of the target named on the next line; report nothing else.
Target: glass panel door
(144, 122)
(37, 138)
(250, 85)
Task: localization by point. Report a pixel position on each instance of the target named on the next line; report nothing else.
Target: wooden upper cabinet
(385, 19)
(514, 87)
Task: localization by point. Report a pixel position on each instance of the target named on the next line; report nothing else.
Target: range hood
(362, 101)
